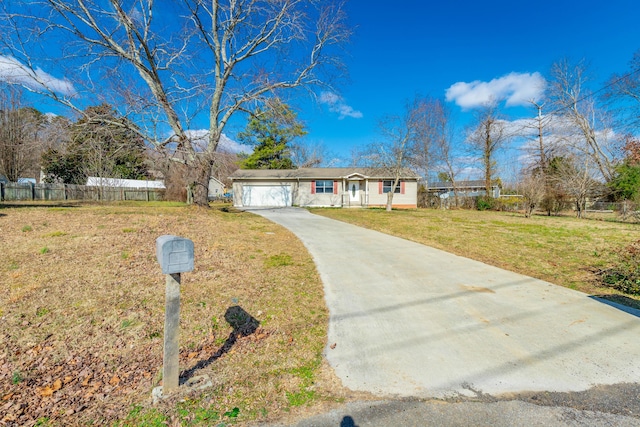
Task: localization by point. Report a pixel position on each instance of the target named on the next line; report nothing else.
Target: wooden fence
(11, 191)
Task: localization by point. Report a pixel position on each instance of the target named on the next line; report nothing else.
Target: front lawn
(82, 314)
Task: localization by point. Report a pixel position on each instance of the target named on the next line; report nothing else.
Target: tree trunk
(200, 186)
(578, 209)
(389, 200)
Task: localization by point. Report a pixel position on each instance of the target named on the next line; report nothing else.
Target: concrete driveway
(410, 320)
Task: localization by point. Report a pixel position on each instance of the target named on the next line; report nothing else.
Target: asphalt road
(410, 321)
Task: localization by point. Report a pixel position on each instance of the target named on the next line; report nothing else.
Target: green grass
(306, 376)
(196, 412)
(16, 377)
(560, 249)
(56, 234)
(126, 323)
(280, 260)
(139, 417)
(41, 422)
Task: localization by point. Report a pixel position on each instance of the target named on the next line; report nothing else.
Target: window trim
(324, 186)
(386, 186)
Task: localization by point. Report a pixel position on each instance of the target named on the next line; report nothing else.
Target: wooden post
(175, 255)
(170, 368)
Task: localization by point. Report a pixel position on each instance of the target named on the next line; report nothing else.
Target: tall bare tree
(174, 59)
(442, 145)
(401, 136)
(587, 127)
(623, 95)
(485, 138)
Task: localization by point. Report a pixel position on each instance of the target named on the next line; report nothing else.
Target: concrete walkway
(410, 320)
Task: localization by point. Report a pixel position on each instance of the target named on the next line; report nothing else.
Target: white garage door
(266, 195)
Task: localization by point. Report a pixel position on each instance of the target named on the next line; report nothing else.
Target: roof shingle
(318, 173)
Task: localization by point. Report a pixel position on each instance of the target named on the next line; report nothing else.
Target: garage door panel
(267, 195)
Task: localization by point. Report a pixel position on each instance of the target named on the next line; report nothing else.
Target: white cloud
(229, 145)
(13, 71)
(336, 104)
(200, 138)
(514, 88)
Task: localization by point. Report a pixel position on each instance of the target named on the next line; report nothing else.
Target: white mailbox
(175, 254)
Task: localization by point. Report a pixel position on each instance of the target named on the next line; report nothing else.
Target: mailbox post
(175, 255)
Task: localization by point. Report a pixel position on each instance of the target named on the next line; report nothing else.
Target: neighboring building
(216, 188)
(94, 181)
(322, 187)
(463, 188)
(4, 180)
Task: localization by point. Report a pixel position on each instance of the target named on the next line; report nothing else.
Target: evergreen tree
(271, 131)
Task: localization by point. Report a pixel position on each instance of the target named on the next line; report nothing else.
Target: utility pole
(543, 157)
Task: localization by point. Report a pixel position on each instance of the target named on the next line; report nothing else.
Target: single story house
(216, 188)
(322, 187)
(94, 181)
(463, 189)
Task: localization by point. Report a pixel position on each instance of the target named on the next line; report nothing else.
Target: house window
(388, 184)
(324, 186)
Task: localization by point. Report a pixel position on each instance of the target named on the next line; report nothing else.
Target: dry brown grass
(81, 317)
(559, 249)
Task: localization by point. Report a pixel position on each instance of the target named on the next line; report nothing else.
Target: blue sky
(408, 47)
(465, 50)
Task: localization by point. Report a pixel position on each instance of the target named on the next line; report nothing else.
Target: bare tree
(400, 137)
(623, 95)
(225, 164)
(533, 190)
(587, 127)
(540, 149)
(222, 55)
(20, 144)
(485, 138)
(305, 155)
(578, 178)
(428, 114)
(442, 144)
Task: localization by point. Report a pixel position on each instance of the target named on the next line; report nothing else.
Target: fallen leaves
(115, 380)
(68, 387)
(86, 380)
(48, 391)
(79, 363)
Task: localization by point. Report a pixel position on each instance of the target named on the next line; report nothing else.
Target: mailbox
(175, 254)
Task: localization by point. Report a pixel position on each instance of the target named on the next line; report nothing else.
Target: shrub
(625, 274)
(484, 203)
(509, 203)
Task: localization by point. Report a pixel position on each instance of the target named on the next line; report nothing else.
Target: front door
(354, 191)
